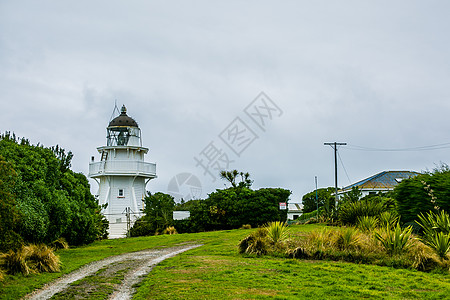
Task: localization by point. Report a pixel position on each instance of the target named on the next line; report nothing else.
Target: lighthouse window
(120, 192)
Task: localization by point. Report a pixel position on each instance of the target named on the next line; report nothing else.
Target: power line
(420, 148)
(343, 167)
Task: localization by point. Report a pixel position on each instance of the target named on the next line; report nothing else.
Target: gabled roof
(295, 207)
(384, 180)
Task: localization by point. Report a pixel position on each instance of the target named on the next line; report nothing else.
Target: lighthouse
(122, 174)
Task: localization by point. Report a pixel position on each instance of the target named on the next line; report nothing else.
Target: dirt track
(114, 276)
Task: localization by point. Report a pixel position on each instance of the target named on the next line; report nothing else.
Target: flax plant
(436, 232)
(276, 231)
(388, 219)
(367, 223)
(395, 241)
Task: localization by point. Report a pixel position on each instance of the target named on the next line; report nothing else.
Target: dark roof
(383, 180)
(123, 120)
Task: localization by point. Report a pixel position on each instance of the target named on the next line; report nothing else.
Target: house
(295, 210)
(382, 182)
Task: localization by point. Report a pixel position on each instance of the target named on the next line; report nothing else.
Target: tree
(51, 200)
(9, 214)
(423, 193)
(231, 177)
(351, 196)
(323, 195)
(238, 205)
(158, 210)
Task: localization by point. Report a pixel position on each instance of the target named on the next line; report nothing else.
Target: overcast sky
(373, 74)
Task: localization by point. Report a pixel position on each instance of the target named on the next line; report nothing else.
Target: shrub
(423, 193)
(349, 212)
(422, 257)
(59, 244)
(388, 219)
(395, 241)
(347, 239)
(320, 239)
(143, 227)
(276, 231)
(440, 243)
(42, 259)
(298, 252)
(257, 245)
(367, 223)
(260, 231)
(244, 243)
(436, 231)
(246, 226)
(395, 248)
(31, 259)
(434, 222)
(16, 261)
(253, 244)
(170, 230)
(306, 216)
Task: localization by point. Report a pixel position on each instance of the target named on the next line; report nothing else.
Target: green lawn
(217, 271)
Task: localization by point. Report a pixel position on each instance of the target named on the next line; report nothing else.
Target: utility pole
(127, 213)
(334, 146)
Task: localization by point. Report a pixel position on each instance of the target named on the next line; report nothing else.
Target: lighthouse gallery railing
(121, 167)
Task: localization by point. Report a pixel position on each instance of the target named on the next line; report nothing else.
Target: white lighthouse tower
(122, 174)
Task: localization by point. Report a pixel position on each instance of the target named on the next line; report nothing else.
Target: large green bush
(44, 199)
(423, 193)
(232, 207)
(349, 212)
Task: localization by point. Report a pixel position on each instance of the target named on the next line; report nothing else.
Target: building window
(121, 194)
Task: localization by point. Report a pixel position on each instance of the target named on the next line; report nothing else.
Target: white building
(295, 210)
(122, 174)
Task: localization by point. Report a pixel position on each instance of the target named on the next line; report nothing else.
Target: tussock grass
(396, 247)
(15, 261)
(170, 230)
(59, 244)
(43, 259)
(30, 259)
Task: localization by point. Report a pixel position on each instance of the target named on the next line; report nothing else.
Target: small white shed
(295, 210)
(181, 214)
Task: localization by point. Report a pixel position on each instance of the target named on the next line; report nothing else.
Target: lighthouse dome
(123, 120)
(123, 131)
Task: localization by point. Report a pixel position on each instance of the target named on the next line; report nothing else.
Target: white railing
(127, 167)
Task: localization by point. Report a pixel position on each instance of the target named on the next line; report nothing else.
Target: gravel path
(133, 266)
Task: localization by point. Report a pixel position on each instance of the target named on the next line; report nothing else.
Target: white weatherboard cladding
(132, 193)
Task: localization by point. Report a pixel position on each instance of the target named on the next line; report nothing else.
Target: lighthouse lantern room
(122, 174)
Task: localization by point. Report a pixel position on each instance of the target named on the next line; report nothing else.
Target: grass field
(217, 271)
